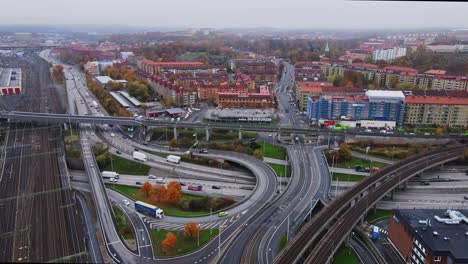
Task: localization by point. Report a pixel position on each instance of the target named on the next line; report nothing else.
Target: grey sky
(239, 13)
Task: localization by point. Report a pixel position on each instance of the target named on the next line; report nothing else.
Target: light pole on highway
(211, 221)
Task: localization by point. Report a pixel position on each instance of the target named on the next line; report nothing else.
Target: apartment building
(261, 99)
(436, 110)
(429, 236)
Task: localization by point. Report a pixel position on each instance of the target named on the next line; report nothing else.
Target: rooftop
(436, 72)
(104, 79)
(385, 94)
(444, 222)
(438, 100)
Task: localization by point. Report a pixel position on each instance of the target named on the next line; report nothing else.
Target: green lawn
(272, 151)
(347, 177)
(125, 166)
(134, 193)
(379, 213)
(345, 255)
(283, 242)
(124, 226)
(358, 161)
(279, 169)
(214, 135)
(183, 245)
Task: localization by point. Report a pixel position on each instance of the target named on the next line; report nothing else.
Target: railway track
(315, 229)
(39, 221)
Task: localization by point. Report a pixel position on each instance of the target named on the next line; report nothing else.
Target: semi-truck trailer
(173, 159)
(140, 156)
(149, 209)
(375, 232)
(110, 174)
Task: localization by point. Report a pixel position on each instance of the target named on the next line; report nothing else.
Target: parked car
(216, 187)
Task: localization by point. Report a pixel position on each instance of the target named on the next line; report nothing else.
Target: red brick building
(261, 99)
(430, 236)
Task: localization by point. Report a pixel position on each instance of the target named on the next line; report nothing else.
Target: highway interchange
(254, 228)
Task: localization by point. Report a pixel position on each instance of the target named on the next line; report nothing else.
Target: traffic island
(124, 228)
(180, 245)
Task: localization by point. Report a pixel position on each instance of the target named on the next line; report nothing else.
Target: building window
(437, 258)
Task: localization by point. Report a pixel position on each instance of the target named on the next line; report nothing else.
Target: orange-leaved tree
(174, 192)
(191, 230)
(146, 188)
(157, 194)
(169, 242)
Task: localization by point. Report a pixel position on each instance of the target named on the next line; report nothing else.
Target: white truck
(110, 174)
(95, 105)
(140, 156)
(173, 159)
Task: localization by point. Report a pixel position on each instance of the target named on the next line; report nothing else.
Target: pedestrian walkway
(275, 161)
(367, 157)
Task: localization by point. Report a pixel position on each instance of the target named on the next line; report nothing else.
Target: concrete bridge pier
(175, 132)
(207, 135)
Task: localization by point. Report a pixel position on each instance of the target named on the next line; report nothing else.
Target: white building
(389, 54)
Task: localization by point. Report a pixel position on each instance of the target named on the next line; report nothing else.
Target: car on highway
(203, 151)
(113, 180)
(118, 152)
(466, 197)
(112, 135)
(424, 183)
(223, 214)
(126, 202)
(216, 187)
(182, 183)
(138, 183)
(151, 177)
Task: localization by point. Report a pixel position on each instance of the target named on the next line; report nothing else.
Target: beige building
(451, 83)
(438, 110)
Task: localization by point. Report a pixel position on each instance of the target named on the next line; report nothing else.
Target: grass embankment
(351, 164)
(124, 226)
(272, 151)
(279, 169)
(72, 143)
(183, 245)
(347, 177)
(134, 193)
(283, 242)
(125, 166)
(379, 213)
(345, 255)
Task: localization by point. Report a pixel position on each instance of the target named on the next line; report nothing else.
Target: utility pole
(287, 233)
(211, 221)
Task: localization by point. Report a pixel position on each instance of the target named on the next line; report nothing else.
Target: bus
(149, 209)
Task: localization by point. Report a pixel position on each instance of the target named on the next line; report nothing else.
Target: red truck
(195, 187)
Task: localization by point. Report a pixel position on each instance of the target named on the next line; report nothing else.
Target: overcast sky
(337, 14)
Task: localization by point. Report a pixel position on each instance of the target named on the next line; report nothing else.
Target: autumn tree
(191, 230)
(258, 154)
(169, 242)
(57, 74)
(344, 152)
(146, 188)
(173, 143)
(157, 194)
(439, 131)
(393, 81)
(349, 84)
(174, 192)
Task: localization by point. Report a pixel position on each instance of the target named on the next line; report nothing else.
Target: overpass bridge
(145, 123)
(322, 236)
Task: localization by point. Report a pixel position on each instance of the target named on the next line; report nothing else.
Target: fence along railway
(39, 216)
(319, 239)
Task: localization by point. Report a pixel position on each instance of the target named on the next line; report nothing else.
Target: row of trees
(106, 100)
(162, 194)
(135, 86)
